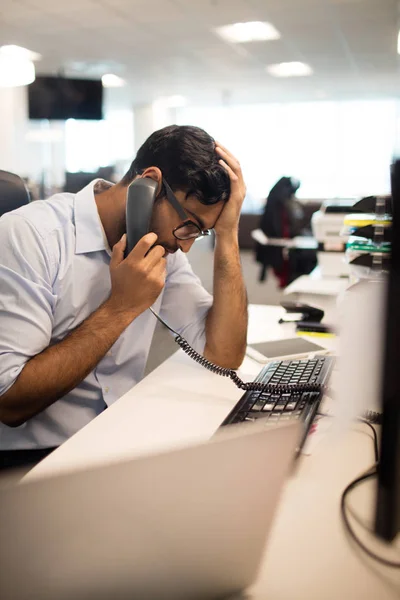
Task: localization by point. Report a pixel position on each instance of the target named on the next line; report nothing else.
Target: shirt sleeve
(26, 297)
(185, 302)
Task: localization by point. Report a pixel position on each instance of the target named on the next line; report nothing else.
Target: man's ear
(155, 174)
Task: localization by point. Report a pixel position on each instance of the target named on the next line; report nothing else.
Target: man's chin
(169, 250)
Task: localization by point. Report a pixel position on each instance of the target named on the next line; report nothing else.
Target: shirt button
(106, 389)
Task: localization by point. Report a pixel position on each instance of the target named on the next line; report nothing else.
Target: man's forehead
(208, 213)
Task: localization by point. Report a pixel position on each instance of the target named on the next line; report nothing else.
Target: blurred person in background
(283, 217)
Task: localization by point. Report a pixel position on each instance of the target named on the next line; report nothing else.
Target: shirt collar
(89, 231)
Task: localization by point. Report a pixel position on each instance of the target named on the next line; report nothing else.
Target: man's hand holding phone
(137, 280)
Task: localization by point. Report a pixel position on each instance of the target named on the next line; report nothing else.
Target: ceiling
(165, 47)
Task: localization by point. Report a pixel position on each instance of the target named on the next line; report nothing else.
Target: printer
(327, 226)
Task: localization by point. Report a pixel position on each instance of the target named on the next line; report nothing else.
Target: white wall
(29, 147)
(13, 115)
(150, 118)
(336, 149)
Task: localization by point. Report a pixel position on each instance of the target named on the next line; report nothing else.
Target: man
(75, 331)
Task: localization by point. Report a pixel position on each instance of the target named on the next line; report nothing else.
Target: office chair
(13, 192)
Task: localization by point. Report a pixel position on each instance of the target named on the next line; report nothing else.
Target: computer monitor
(61, 98)
(387, 513)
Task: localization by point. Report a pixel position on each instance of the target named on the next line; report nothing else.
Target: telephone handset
(140, 200)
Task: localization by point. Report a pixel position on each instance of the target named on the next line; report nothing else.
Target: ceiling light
(252, 31)
(290, 69)
(110, 80)
(15, 71)
(19, 52)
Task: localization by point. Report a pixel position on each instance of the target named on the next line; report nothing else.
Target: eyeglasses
(189, 230)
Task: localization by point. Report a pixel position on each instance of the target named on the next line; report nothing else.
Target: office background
(335, 127)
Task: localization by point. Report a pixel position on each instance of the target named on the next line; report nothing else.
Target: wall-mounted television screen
(61, 98)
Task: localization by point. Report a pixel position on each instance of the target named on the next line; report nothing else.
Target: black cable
(343, 509)
(251, 386)
(376, 446)
(350, 487)
(354, 484)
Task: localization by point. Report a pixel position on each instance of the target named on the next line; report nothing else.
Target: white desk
(300, 242)
(308, 556)
(318, 291)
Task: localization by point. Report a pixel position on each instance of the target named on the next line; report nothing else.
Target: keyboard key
(286, 417)
(280, 400)
(258, 405)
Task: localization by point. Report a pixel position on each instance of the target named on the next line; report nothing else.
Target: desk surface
(322, 292)
(192, 400)
(300, 242)
(308, 555)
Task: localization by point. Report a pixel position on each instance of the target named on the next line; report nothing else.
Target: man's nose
(185, 245)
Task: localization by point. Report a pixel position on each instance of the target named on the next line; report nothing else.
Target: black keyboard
(293, 389)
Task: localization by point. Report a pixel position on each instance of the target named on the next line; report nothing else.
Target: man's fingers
(233, 177)
(118, 252)
(161, 267)
(145, 250)
(228, 156)
(143, 246)
(155, 256)
(158, 270)
(219, 145)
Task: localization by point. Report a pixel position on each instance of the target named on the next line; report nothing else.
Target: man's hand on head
(228, 221)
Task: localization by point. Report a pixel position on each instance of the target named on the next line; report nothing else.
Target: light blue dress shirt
(54, 272)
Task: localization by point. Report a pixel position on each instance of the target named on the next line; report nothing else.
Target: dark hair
(187, 159)
(283, 189)
(271, 219)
